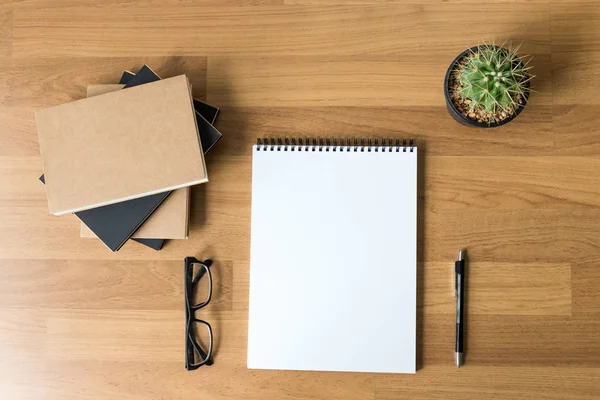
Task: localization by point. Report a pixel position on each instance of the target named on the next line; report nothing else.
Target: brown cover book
(120, 146)
(170, 219)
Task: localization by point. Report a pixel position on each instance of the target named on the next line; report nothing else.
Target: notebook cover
(111, 148)
(115, 223)
(210, 113)
(143, 76)
(155, 244)
(205, 113)
(97, 90)
(127, 75)
(206, 110)
(361, 293)
(169, 221)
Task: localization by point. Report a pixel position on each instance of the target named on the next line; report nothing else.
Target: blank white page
(333, 260)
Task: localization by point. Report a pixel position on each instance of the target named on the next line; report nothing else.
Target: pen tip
(461, 255)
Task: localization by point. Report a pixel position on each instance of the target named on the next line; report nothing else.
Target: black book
(155, 244)
(115, 223)
(206, 110)
(144, 75)
(126, 77)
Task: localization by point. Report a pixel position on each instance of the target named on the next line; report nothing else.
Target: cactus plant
(495, 79)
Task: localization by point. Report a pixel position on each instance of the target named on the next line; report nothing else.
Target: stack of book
(124, 159)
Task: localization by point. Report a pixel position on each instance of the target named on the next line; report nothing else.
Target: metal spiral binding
(335, 144)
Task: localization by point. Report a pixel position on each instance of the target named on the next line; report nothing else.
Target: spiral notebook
(333, 255)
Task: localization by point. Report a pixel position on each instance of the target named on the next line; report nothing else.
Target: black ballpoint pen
(459, 292)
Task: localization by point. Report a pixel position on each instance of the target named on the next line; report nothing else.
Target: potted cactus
(487, 86)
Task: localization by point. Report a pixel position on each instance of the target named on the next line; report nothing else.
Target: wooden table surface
(80, 322)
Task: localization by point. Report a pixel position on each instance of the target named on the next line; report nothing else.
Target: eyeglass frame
(190, 343)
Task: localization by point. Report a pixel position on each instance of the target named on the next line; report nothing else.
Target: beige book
(170, 219)
(101, 88)
(120, 146)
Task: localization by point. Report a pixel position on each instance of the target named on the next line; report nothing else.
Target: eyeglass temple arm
(196, 347)
(201, 271)
(203, 354)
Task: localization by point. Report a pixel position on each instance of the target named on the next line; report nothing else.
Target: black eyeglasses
(198, 333)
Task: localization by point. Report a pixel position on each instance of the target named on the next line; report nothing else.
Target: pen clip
(459, 266)
(455, 281)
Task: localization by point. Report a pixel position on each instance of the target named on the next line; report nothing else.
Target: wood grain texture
(500, 383)
(574, 69)
(77, 321)
(337, 81)
(268, 30)
(501, 289)
(432, 128)
(575, 28)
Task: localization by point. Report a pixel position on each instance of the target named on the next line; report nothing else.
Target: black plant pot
(467, 121)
